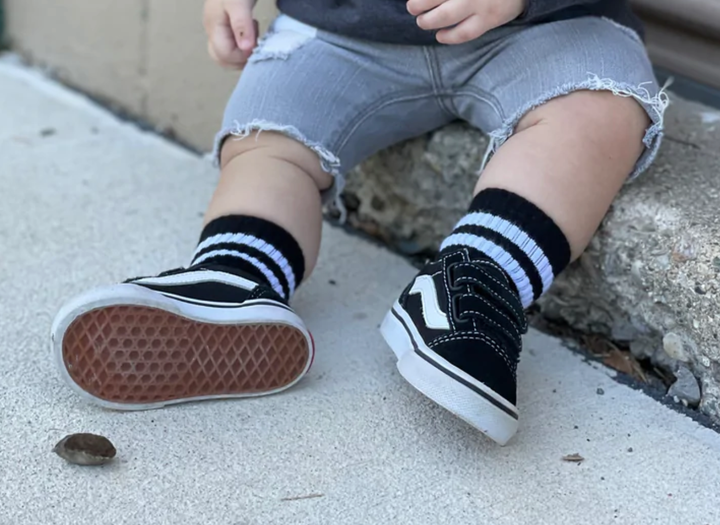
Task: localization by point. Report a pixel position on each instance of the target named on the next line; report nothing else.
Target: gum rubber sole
(136, 356)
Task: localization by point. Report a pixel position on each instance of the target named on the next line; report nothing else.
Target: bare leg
(275, 178)
(183, 335)
(570, 157)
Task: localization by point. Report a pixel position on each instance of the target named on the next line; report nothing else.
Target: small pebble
(85, 449)
(630, 449)
(600, 392)
(573, 458)
(686, 389)
(332, 282)
(716, 263)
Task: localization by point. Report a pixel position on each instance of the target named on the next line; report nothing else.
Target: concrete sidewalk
(86, 199)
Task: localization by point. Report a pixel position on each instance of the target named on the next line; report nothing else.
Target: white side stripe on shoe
(253, 242)
(204, 276)
(434, 317)
(502, 257)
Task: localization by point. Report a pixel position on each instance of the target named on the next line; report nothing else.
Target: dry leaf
(596, 345)
(85, 449)
(626, 363)
(619, 361)
(573, 458)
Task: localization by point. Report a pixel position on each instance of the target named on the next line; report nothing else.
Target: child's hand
(232, 31)
(465, 20)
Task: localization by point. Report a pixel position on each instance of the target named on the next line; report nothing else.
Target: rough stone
(674, 346)
(424, 185)
(686, 388)
(651, 275)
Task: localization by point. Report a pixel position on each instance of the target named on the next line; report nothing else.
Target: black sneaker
(184, 335)
(456, 331)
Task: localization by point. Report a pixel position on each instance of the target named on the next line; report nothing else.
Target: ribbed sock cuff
(256, 246)
(517, 235)
(529, 218)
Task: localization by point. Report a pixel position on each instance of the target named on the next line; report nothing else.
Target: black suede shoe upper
(467, 311)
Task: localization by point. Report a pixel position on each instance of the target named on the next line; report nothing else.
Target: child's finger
(243, 26)
(223, 48)
(418, 7)
(446, 15)
(469, 29)
(233, 59)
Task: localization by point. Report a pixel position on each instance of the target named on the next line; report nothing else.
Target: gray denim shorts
(346, 99)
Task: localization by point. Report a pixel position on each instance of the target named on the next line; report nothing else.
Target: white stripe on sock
(269, 275)
(500, 256)
(518, 237)
(254, 242)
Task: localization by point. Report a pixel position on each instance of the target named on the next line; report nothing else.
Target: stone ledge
(651, 277)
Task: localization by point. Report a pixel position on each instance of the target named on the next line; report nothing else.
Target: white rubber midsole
(402, 337)
(254, 312)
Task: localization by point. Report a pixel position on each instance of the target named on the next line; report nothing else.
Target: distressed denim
(346, 99)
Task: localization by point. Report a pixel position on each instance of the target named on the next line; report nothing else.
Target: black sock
(518, 236)
(255, 246)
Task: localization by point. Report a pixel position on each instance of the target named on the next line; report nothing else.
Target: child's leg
(287, 140)
(573, 110)
(570, 157)
(275, 178)
(308, 107)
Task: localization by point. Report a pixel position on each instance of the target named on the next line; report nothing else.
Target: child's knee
(271, 144)
(598, 117)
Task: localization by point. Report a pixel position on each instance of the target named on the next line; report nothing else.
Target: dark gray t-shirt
(388, 20)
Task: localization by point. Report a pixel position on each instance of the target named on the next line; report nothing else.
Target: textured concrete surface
(86, 200)
(651, 277)
(411, 195)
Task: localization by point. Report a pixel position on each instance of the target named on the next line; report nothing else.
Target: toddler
(566, 92)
